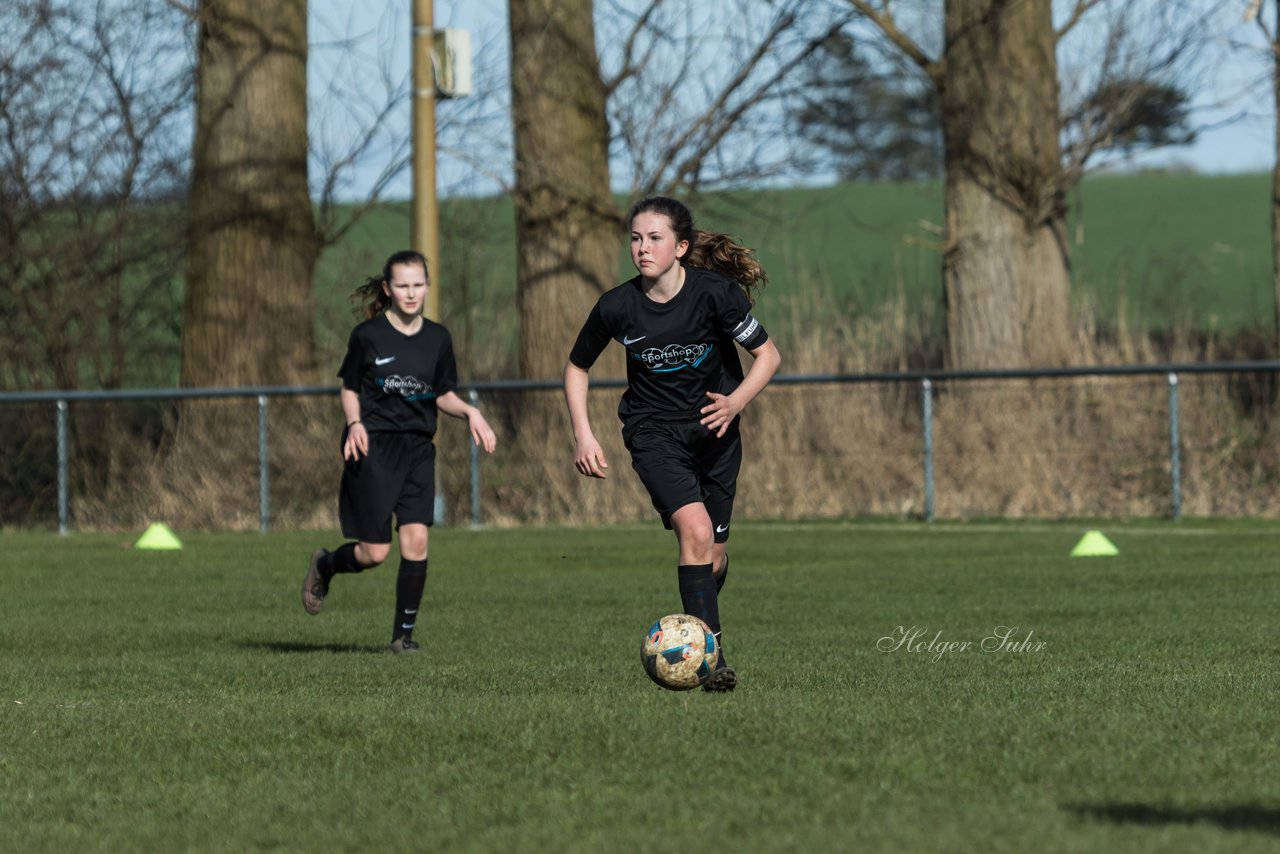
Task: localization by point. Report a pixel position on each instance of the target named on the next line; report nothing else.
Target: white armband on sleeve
(747, 331)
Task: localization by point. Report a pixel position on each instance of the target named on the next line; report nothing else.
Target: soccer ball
(679, 652)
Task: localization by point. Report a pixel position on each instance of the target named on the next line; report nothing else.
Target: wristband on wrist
(351, 424)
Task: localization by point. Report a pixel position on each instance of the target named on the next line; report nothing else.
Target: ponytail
(372, 296)
(721, 253)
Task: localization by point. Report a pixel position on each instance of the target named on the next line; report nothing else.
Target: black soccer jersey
(677, 351)
(398, 376)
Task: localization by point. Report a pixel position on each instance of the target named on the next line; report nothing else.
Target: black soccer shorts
(398, 476)
(684, 463)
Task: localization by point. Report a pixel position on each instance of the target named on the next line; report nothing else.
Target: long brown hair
(372, 297)
(708, 250)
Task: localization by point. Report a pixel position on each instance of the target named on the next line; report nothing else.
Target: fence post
(474, 398)
(63, 491)
(1175, 451)
(264, 487)
(926, 391)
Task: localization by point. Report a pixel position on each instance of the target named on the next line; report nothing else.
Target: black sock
(409, 585)
(341, 559)
(722, 575)
(698, 597)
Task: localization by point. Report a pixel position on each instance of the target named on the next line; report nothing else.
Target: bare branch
(1273, 38)
(711, 128)
(328, 232)
(630, 64)
(715, 115)
(674, 153)
(1130, 69)
(1081, 8)
(190, 11)
(883, 19)
(90, 104)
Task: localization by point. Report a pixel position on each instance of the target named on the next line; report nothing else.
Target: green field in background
(184, 701)
(1163, 250)
(1170, 248)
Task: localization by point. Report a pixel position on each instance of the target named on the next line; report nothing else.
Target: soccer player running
(679, 320)
(398, 372)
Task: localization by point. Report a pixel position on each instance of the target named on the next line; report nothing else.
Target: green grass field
(183, 700)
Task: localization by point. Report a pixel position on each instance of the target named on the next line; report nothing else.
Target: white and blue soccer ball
(679, 652)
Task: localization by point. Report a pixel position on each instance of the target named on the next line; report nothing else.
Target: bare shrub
(1046, 448)
(1090, 446)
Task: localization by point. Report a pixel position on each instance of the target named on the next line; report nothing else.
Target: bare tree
(359, 116)
(1006, 267)
(565, 215)
(699, 93)
(1005, 276)
(1127, 90)
(356, 111)
(248, 311)
(877, 115)
(875, 119)
(1274, 40)
(92, 99)
(94, 105)
(1271, 33)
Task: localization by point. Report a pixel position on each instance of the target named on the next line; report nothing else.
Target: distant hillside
(1164, 248)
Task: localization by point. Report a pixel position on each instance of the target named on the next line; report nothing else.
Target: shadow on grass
(1243, 817)
(295, 646)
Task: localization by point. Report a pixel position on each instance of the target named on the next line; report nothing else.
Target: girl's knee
(373, 554)
(693, 529)
(697, 536)
(704, 539)
(413, 542)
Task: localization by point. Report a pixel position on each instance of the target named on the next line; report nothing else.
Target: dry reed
(1022, 448)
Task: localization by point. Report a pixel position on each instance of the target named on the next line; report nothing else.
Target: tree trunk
(1005, 271)
(1275, 178)
(566, 222)
(247, 316)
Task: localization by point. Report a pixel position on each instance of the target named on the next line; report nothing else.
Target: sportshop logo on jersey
(673, 358)
(410, 388)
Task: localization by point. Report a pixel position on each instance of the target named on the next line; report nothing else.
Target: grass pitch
(153, 701)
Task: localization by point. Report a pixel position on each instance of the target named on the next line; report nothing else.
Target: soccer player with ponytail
(398, 372)
(680, 321)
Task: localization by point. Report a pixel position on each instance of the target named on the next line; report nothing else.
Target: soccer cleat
(314, 586)
(403, 645)
(721, 679)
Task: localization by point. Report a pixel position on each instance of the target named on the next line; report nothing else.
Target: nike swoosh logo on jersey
(720, 529)
(626, 340)
(384, 361)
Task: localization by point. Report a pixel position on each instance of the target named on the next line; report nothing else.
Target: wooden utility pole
(426, 227)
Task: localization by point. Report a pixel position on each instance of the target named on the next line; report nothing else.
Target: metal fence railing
(928, 385)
